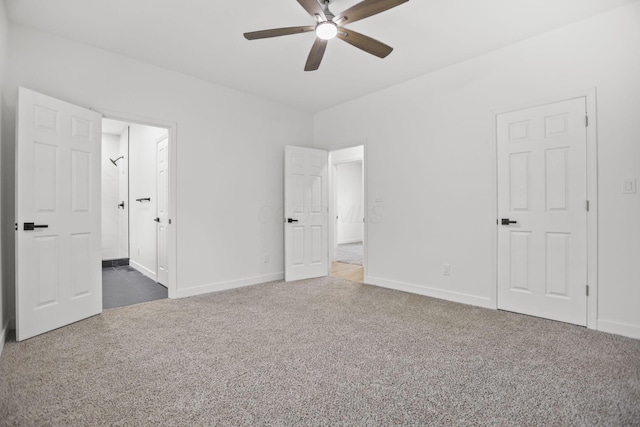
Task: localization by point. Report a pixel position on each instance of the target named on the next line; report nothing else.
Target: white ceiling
(204, 39)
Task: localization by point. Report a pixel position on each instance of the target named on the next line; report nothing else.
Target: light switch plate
(629, 186)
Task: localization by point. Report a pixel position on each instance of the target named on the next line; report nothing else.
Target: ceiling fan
(329, 26)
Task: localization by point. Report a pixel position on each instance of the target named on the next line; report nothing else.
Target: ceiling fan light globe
(326, 30)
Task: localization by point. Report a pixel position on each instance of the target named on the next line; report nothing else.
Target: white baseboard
(223, 286)
(3, 335)
(430, 292)
(344, 242)
(624, 329)
(144, 270)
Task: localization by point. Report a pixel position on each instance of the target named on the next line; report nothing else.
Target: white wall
(115, 187)
(229, 151)
(110, 196)
(143, 183)
(5, 225)
(349, 195)
(431, 161)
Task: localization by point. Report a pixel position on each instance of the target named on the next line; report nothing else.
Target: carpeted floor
(321, 352)
(350, 253)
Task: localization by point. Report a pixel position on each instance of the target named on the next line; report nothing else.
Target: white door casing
(306, 205)
(336, 157)
(162, 209)
(58, 268)
(542, 185)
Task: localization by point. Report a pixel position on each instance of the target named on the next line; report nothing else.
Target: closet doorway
(135, 218)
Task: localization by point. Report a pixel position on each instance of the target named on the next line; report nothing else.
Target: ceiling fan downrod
(330, 16)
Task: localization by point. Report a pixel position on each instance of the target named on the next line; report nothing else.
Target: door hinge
(586, 121)
(587, 290)
(587, 206)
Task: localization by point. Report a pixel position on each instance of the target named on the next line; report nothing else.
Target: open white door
(58, 249)
(306, 206)
(542, 195)
(162, 218)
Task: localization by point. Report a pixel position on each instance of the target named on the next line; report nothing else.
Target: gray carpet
(319, 353)
(350, 253)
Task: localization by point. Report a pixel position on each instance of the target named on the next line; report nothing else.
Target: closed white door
(306, 206)
(542, 203)
(58, 248)
(163, 209)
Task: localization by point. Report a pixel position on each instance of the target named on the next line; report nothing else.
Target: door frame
(157, 215)
(331, 229)
(172, 247)
(590, 96)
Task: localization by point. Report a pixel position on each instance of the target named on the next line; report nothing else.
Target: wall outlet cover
(446, 269)
(629, 186)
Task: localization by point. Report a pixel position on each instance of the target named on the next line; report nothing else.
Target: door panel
(542, 257)
(163, 210)
(306, 252)
(58, 267)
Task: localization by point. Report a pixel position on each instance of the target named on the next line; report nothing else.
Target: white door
(163, 209)
(542, 200)
(306, 206)
(58, 249)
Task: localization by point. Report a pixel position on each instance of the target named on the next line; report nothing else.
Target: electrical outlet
(266, 258)
(629, 186)
(446, 269)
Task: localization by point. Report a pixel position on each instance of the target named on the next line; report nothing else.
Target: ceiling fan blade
(277, 32)
(365, 9)
(316, 54)
(313, 8)
(366, 43)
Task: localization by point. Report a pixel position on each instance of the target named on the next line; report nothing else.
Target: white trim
(347, 241)
(348, 159)
(494, 238)
(592, 192)
(232, 284)
(144, 270)
(618, 328)
(172, 128)
(3, 335)
(365, 202)
(592, 215)
(430, 292)
(566, 96)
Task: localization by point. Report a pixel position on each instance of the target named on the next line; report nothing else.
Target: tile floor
(124, 285)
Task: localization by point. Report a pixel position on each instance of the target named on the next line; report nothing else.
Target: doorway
(134, 213)
(348, 212)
